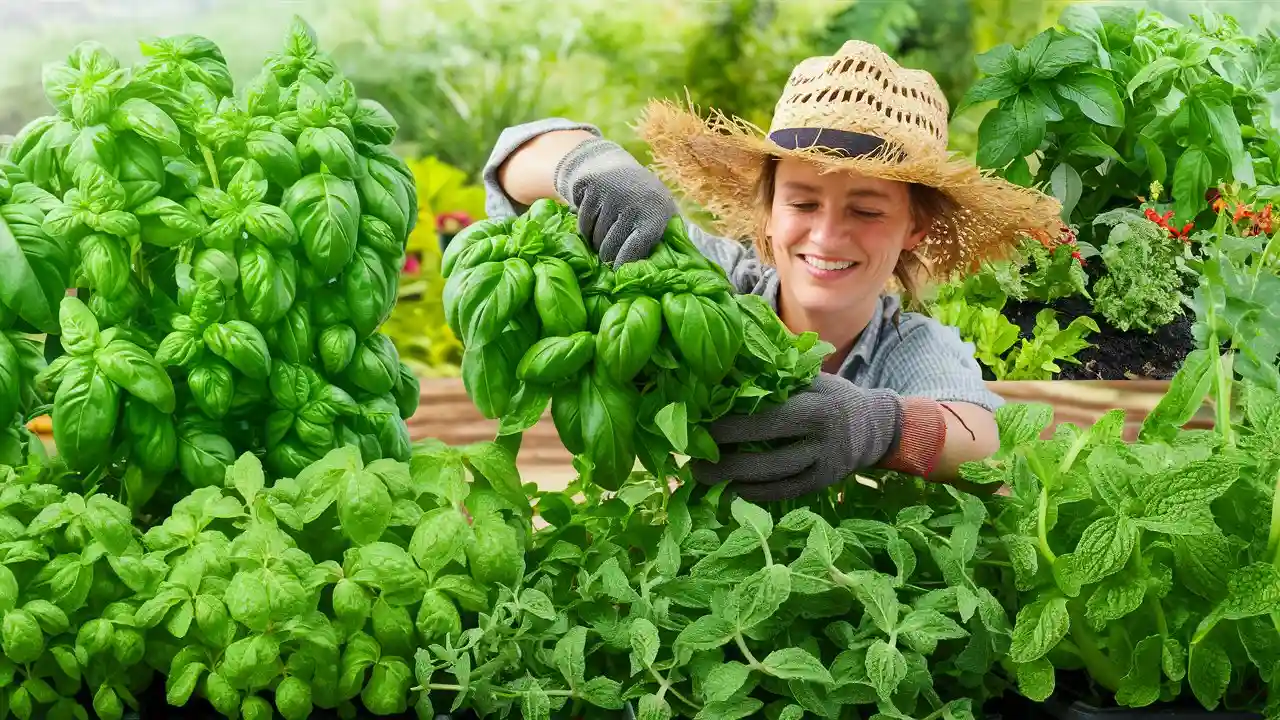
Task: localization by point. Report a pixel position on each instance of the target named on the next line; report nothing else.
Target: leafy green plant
(633, 363)
(233, 253)
(1051, 273)
(973, 308)
(1120, 97)
(1145, 275)
(21, 351)
(860, 598)
(1127, 557)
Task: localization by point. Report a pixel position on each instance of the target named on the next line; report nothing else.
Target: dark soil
(1116, 354)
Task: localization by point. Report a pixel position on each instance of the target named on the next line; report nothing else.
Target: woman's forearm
(971, 435)
(528, 174)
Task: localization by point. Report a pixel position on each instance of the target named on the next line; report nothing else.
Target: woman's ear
(919, 231)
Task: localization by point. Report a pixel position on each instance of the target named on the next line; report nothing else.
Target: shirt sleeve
(497, 204)
(931, 360)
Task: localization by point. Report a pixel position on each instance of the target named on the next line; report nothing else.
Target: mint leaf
(1177, 502)
(922, 629)
(1109, 472)
(1115, 598)
(246, 476)
(796, 664)
(1252, 590)
(725, 680)
(886, 668)
(876, 593)
(1036, 679)
(652, 707)
(644, 644)
(735, 709)
(752, 516)
(1038, 628)
(570, 654)
(603, 692)
(1024, 556)
(1103, 550)
(706, 633)
(1173, 659)
(762, 594)
(1022, 423)
(537, 603)
(1141, 685)
(1209, 673)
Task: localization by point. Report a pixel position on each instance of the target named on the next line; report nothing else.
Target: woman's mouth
(828, 267)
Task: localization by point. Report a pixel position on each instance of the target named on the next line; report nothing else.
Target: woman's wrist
(922, 433)
(528, 174)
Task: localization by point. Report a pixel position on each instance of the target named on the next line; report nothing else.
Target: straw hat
(857, 110)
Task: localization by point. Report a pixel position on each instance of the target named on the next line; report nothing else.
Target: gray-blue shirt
(920, 357)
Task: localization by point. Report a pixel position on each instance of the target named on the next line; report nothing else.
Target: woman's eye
(804, 205)
(869, 213)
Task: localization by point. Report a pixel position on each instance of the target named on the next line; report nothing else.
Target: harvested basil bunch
(234, 254)
(633, 363)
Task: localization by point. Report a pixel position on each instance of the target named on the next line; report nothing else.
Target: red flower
(451, 222)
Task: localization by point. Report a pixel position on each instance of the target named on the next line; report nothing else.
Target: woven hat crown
(862, 90)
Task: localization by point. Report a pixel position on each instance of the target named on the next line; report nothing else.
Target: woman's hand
(623, 208)
(823, 435)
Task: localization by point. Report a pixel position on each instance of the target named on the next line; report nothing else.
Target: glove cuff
(921, 436)
(571, 165)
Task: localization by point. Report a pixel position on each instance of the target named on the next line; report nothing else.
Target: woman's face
(836, 237)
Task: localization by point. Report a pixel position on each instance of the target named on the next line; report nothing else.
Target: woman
(853, 179)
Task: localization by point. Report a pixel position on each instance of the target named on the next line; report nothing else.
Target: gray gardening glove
(822, 434)
(623, 208)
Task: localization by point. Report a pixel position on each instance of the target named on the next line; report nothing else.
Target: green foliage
(219, 242)
(1145, 274)
(973, 305)
(1148, 564)
(634, 363)
(1120, 98)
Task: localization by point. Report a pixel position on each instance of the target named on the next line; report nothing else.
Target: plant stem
(746, 653)
(666, 685)
(1100, 666)
(1041, 529)
(1273, 537)
(211, 165)
(1162, 625)
(496, 691)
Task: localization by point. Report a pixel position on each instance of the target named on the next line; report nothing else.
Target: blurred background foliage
(456, 72)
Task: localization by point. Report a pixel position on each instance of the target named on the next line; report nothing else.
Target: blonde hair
(928, 205)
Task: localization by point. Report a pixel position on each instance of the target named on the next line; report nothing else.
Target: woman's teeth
(828, 264)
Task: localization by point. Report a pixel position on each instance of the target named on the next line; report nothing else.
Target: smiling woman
(852, 187)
